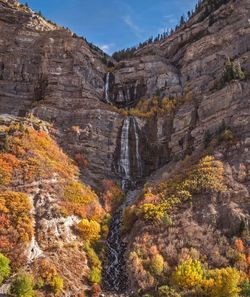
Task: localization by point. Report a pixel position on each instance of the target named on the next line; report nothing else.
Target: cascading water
(129, 165)
(137, 149)
(106, 88)
(129, 168)
(124, 160)
(115, 278)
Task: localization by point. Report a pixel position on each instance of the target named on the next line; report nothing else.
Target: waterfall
(106, 88)
(137, 149)
(124, 160)
(129, 168)
(115, 278)
(129, 162)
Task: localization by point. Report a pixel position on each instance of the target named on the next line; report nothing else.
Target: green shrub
(157, 264)
(4, 268)
(165, 291)
(188, 275)
(245, 289)
(225, 134)
(150, 212)
(95, 274)
(57, 285)
(231, 72)
(22, 286)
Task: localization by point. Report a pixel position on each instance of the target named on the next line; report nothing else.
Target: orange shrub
(112, 196)
(78, 193)
(95, 290)
(239, 245)
(45, 269)
(37, 147)
(33, 154)
(8, 163)
(15, 221)
(80, 200)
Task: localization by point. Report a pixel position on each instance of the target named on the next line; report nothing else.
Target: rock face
(60, 78)
(49, 72)
(143, 76)
(188, 64)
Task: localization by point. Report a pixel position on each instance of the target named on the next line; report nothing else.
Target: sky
(114, 24)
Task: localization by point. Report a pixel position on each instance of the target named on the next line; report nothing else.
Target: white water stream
(115, 279)
(106, 89)
(129, 149)
(129, 168)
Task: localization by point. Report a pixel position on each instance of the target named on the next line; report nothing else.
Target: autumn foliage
(206, 175)
(150, 107)
(31, 155)
(153, 106)
(89, 230)
(112, 196)
(212, 282)
(188, 274)
(4, 268)
(46, 276)
(95, 273)
(16, 228)
(80, 200)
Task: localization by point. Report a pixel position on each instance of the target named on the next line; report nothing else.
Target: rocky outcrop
(187, 64)
(141, 77)
(49, 72)
(48, 228)
(60, 78)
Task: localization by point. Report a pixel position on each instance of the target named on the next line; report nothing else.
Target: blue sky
(114, 24)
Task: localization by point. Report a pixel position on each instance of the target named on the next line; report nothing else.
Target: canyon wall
(59, 77)
(48, 72)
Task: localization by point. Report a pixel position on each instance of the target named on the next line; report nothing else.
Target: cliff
(152, 118)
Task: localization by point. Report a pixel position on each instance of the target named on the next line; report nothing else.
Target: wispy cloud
(171, 19)
(128, 21)
(107, 48)
(162, 30)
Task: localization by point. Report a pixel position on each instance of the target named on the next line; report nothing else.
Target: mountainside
(163, 139)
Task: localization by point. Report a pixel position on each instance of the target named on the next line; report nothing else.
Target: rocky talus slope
(42, 203)
(177, 111)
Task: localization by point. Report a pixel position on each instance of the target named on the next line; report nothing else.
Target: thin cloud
(106, 47)
(162, 30)
(128, 21)
(171, 19)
